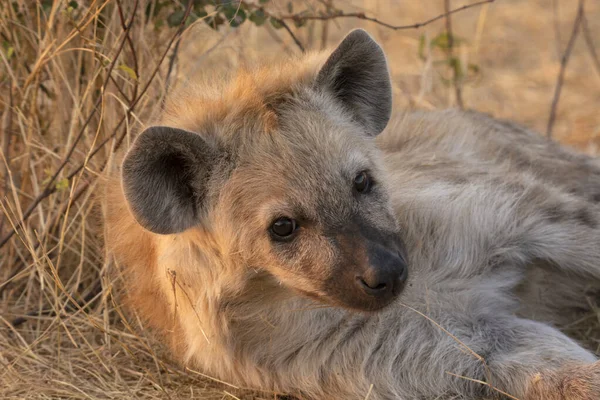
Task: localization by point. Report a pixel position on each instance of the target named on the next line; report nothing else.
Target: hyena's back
(437, 156)
(460, 145)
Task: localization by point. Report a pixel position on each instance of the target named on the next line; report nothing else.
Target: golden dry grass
(62, 335)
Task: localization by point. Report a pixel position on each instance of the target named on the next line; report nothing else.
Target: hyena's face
(307, 201)
(314, 208)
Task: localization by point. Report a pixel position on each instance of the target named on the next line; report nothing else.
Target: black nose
(385, 278)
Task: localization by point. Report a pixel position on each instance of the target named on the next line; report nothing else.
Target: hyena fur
(281, 231)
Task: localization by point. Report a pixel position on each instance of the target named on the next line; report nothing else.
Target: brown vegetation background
(79, 79)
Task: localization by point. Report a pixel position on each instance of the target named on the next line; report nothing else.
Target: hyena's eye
(283, 228)
(362, 182)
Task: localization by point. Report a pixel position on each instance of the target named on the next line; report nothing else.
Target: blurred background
(79, 79)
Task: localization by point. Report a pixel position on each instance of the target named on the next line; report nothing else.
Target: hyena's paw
(580, 382)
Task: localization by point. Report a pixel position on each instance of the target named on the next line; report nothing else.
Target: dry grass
(61, 333)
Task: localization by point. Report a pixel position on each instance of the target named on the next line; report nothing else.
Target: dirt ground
(62, 335)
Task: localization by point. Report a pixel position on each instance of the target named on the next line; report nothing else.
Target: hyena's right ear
(165, 176)
(356, 74)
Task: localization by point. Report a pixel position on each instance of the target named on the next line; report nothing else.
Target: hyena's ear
(356, 74)
(165, 176)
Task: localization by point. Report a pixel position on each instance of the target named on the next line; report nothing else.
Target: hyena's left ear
(356, 74)
(165, 178)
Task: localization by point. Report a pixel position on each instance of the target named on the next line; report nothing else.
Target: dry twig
(450, 52)
(50, 187)
(563, 65)
(361, 15)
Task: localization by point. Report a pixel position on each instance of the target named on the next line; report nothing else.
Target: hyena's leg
(533, 361)
(545, 365)
(522, 358)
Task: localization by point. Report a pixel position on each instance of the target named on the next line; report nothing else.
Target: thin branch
(126, 28)
(361, 15)
(298, 18)
(279, 20)
(587, 34)
(50, 187)
(563, 65)
(6, 136)
(294, 37)
(172, 60)
(450, 53)
(555, 20)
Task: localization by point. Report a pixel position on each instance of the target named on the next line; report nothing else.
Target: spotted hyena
(282, 231)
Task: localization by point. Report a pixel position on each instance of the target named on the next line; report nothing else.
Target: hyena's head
(285, 175)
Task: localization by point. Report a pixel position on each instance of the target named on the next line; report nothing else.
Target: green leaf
(238, 18)
(229, 10)
(215, 21)
(153, 11)
(299, 22)
(73, 4)
(474, 67)
(442, 41)
(46, 6)
(201, 14)
(9, 50)
(129, 71)
(176, 18)
(258, 17)
(422, 47)
(275, 23)
(62, 184)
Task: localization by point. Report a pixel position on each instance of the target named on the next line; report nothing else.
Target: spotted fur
(498, 226)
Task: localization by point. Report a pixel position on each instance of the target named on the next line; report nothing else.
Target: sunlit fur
(502, 231)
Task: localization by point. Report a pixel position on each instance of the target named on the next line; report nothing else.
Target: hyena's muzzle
(371, 267)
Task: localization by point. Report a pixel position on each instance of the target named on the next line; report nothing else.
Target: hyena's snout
(371, 273)
(384, 275)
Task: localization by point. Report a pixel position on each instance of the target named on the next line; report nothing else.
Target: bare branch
(6, 139)
(126, 28)
(294, 37)
(563, 65)
(172, 60)
(361, 15)
(50, 187)
(300, 18)
(587, 34)
(450, 53)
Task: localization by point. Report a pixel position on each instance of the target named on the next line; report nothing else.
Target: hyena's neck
(246, 326)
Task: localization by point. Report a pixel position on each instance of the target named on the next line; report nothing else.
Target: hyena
(280, 231)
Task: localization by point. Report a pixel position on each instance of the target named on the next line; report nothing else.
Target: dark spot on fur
(292, 355)
(585, 217)
(554, 213)
(496, 260)
(459, 180)
(596, 197)
(353, 329)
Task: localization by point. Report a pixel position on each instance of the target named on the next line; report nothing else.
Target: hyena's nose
(385, 276)
(373, 285)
